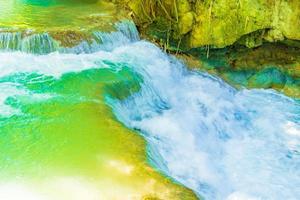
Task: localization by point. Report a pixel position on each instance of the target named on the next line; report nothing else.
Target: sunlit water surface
(44, 15)
(58, 137)
(220, 142)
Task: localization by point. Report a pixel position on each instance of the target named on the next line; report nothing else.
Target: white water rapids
(222, 143)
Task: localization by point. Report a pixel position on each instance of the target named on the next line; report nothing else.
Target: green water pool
(45, 15)
(61, 133)
(58, 137)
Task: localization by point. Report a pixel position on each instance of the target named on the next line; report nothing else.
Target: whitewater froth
(222, 143)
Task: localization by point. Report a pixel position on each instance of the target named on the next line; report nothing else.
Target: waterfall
(35, 43)
(221, 142)
(44, 43)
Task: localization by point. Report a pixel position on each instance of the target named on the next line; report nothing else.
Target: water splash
(56, 127)
(222, 143)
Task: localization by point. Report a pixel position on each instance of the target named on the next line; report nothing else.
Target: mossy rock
(220, 23)
(272, 65)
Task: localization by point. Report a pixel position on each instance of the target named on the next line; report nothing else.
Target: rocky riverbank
(254, 44)
(217, 23)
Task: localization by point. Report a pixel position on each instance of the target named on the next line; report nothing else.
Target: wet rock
(220, 23)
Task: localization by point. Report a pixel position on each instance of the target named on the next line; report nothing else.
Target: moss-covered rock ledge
(217, 23)
(271, 65)
(215, 36)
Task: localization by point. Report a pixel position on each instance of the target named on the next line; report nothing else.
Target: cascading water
(43, 43)
(220, 142)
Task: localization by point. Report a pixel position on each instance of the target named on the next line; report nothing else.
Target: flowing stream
(221, 142)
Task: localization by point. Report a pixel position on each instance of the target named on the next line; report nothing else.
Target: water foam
(8, 90)
(40, 53)
(54, 65)
(222, 143)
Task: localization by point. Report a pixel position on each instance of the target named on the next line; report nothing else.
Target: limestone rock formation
(219, 23)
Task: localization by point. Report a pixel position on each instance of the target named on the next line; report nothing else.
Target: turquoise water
(59, 136)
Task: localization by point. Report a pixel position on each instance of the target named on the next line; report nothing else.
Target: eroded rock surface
(219, 23)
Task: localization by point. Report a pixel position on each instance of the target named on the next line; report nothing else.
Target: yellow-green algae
(68, 145)
(218, 23)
